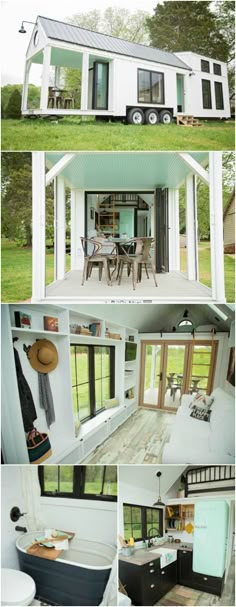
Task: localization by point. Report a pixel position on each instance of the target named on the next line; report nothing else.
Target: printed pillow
(201, 400)
(202, 414)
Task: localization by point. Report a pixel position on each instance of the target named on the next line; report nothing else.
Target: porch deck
(173, 286)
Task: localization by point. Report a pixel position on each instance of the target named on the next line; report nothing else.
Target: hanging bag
(38, 445)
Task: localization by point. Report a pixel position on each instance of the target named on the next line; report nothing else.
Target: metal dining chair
(94, 258)
(135, 261)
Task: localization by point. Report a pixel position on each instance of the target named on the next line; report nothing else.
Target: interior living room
(176, 535)
(118, 384)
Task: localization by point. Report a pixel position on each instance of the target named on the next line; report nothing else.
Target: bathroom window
(93, 379)
(141, 522)
(79, 482)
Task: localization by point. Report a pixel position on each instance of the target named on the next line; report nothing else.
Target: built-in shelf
(38, 332)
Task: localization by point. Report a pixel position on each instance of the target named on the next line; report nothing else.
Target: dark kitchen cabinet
(207, 583)
(185, 560)
(146, 584)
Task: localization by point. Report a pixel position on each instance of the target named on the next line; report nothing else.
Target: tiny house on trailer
(121, 79)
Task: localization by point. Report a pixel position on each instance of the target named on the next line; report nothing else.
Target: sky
(14, 45)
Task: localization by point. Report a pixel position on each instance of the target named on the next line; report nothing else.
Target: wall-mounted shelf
(38, 332)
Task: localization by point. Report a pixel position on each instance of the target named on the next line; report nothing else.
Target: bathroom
(59, 535)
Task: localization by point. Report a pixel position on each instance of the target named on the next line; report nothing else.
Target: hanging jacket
(26, 399)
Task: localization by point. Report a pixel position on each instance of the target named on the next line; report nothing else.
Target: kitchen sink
(168, 556)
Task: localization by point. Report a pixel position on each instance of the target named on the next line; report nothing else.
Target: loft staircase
(184, 120)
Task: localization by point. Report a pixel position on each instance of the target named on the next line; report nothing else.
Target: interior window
(205, 66)
(206, 95)
(219, 96)
(150, 87)
(79, 482)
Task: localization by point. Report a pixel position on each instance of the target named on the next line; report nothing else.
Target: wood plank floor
(140, 440)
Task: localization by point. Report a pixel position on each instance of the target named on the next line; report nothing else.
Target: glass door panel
(152, 374)
(200, 374)
(100, 86)
(174, 375)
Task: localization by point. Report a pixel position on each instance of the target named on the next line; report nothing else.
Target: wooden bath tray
(45, 553)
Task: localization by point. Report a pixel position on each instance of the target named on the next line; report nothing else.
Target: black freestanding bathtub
(78, 577)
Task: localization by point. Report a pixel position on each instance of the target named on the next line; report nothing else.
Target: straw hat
(43, 356)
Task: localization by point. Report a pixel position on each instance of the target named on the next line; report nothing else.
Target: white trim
(174, 245)
(24, 99)
(77, 228)
(58, 167)
(38, 225)
(45, 77)
(195, 166)
(57, 76)
(191, 228)
(84, 81)
(216, 226)
(60, 229)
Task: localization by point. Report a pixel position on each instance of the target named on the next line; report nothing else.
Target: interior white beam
(58, 167)
(38, 225)
(77, 228)
(24, 99)
(191, 228)
(45, 77)
(216, 227)
(59, 228)
(195, 166)
(174, 243)
(84, 81)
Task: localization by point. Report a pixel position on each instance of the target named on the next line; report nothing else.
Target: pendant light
(159, 501)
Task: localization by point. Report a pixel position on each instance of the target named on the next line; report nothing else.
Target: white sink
(168, 555)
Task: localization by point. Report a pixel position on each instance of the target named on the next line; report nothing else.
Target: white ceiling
(144, 477)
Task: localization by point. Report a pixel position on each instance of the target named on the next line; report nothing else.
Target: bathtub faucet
(17, 528)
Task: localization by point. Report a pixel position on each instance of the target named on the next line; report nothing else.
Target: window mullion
(92, 381)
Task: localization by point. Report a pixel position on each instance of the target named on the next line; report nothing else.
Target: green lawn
(74, 134)
(16, 271)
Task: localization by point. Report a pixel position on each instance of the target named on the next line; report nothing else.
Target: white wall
(11, 496)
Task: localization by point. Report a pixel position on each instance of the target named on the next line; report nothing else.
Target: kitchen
(177, 548)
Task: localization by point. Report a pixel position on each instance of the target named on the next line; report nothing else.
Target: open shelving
(177, 515)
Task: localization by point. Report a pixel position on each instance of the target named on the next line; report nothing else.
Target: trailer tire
(166, 117)
(151, 117)
(135, 116)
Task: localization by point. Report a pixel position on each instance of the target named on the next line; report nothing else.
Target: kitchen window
(79, 482)
(140, 521)
(150, 87)
(205, 66)
(219, 96)
(217, 69)
(206, 95)
(93, 379)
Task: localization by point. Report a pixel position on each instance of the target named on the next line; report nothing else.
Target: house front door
(162, 230)
(100, 85)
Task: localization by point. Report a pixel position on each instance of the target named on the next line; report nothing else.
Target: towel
(45, 398)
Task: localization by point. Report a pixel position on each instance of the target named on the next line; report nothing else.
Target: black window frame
(150, 72)
(219, 96)
(205, 66)
(208, 106)
(78, 490)
(217, 69)
(91, 377)
(144, 519)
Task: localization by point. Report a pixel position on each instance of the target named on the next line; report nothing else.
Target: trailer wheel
(166, 117)
(135, 116)
(151, 117)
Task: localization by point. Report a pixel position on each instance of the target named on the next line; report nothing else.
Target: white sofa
(198, 442)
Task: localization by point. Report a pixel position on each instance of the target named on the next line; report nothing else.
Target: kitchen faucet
(150, 543)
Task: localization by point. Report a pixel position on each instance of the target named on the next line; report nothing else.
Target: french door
(172, 368)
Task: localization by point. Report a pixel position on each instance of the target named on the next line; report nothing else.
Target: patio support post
(84, 82)
(216, 226)
(191, 228)
(174, 245)
(59, 228)
(26, 86)
(45, 78)
(77, 228)
(57, 76)
(38, 226)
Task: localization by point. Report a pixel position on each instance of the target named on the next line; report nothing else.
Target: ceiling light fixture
(159, 501)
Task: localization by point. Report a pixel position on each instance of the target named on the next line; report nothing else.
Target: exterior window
(219, 96)
(205, 66)
(150, 87)
(139, 521)
(206, 95)
(79, 482)
(93, 379)
(217, 69)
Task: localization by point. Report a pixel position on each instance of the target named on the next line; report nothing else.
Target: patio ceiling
(131, 170)
(66, 58)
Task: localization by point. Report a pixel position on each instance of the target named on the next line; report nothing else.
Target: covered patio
(157, 176)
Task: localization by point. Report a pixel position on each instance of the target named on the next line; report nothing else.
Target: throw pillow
(111, 402)
(201, 414)
(201, 400)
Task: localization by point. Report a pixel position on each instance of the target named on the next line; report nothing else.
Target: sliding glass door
(100, 85)
(172, 368)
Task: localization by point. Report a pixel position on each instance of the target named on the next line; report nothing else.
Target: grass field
(74, 134)
(16, 271)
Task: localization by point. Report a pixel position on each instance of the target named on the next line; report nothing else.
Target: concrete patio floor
(171, 286)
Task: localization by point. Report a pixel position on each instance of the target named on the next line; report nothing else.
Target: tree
(188, 26)
(225, 12)
(13, 109)
(33, 95)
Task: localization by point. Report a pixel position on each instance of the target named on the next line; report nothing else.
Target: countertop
(142, 556)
